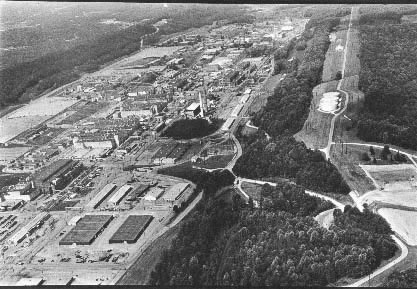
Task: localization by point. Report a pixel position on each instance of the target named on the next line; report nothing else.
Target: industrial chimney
(201, 104)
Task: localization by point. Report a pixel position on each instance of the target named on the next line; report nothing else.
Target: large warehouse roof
(105, 191)
(175, 192)
(131, 229)
(118, 196)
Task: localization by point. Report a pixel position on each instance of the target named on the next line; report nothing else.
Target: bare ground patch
(315, 132)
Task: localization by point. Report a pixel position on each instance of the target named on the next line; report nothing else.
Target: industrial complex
(85, 198)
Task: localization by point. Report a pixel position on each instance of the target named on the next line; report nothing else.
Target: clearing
(325, 219)
(403, 223)
(405, 197)
(389, 174)
(253, 190)
(353, 174)
(334, 55)
(315, 132)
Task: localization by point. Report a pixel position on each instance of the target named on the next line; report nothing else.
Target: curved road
(404, 253)
(326, 150)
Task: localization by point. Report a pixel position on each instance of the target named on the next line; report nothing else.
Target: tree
(372, 151)
(338, 75)
(385, 152)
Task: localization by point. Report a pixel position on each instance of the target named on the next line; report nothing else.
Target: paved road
(326, 150)
(404, 253)
(336, 203)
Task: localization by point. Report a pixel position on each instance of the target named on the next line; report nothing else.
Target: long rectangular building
(237, 110)
(86, 230)
(175, 192)
(228, 124)
(131, 229)
(119, 195)
(245, 98)
(99, 198)
(29, 228)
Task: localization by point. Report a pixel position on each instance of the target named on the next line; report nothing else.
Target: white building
(119, 195)
(29, 228)
(176, 192)
(74, 220)
(99, 198)
(228, 124)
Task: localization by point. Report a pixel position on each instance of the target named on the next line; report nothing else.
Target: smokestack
(201, 104)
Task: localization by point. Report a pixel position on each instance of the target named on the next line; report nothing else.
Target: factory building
(245, 98)
(74, 220)
(119, 195)
(193, 110)
(29, 228)
(58, 174)
(21, 192)
(237, 110)
(176, 194)
(228, 124)
(99, 198)
(153, 194)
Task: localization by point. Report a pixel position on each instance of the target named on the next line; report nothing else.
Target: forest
(24, 81)
(284, 115)
(279, 243)
(56, 69)
(191, 128)
(388, 79)
(404, 279)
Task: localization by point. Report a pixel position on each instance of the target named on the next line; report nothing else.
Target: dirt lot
(315, 132)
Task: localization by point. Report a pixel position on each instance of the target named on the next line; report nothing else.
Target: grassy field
(139, 273)
(354, 154)
(253, 190)
(352, 66)
(348, 166)
(315, 132)
(390, 174)
(260, 100)
(334, 56)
